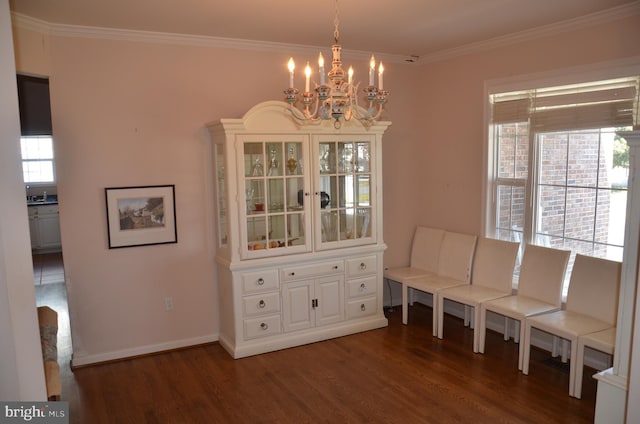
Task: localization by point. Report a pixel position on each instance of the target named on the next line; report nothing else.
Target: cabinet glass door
(274, 194)
(221, 202)
(344, 192)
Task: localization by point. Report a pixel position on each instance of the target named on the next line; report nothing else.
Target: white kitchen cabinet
(44, 227)
(298, 229)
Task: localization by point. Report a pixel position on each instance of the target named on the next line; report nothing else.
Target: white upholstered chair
(592, 305)
(425, 252)
(492, 277)
(454, 268)
(539, 291)
(604, 341)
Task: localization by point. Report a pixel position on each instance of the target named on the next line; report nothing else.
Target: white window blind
(599, 104)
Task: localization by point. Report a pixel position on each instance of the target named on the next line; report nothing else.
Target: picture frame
(141, 216)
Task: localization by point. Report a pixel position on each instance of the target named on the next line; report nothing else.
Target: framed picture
(140, 216)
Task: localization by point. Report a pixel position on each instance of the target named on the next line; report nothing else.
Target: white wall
(21, 369)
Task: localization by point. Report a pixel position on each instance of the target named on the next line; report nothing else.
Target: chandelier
(337, 99)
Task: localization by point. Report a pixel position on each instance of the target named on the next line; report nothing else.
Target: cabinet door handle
(264, 326)
(262, 304)
(363, 308)
(363, 266)
(363, 287)
(260, 281)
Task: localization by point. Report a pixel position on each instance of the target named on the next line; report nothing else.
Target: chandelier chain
(336, 23)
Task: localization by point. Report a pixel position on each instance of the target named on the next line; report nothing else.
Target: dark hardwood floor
(399, 374)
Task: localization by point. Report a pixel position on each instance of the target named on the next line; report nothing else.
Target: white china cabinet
(299, 229)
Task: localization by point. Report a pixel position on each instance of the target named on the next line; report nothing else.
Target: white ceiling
(398, 27)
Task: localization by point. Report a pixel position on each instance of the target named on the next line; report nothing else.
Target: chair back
(542, 273)
(426, 248)
(494, 263)
(456, 256)
(594, 288)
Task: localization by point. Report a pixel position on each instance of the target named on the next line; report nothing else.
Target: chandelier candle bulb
(321, 68)
(372, 69)
(350, 73)
(291, 65)
(380, 72)
(307, 73)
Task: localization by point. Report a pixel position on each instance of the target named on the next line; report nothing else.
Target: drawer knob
(260, 281)
(335, 267)
(292, 274)
(363, 266)
(363, 308)
(262, 304)
(264, 326)
(363, 287)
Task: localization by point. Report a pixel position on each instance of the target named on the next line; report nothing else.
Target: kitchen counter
(51, 200)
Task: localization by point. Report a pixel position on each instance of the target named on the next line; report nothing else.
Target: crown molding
(64, 30)
(586, 21)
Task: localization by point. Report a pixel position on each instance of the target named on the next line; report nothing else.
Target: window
(558, 174)
(37, 159)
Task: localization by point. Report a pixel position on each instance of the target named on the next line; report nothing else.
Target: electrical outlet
(168, 303)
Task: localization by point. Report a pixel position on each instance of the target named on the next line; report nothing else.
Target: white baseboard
(78, 361)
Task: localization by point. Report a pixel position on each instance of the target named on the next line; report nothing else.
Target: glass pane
(614, 161)
(295, 229)
(38, 147)
(553, 158)
(294, 159)
(275, 197)
(327, 158)
(513, 150)
(329, 226)
(363, 157)
(328, 192)
(346, 193)
(345, 158)
(253, 160)
(277, 231)
(584, 152)
(580, 213)
(363, 223)
(363, 188)
(275, 163)
(39, 171)
(254, 196)
(510, 210)
(612, 216)
(347, 224)
(295, 194)
(223, 235)
(256, 232)
(551, 210)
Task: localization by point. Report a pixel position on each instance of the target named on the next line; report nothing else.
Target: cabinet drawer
(261, 327)
(362, 287)
(254, 282)
(362, 266)
(261, 303)
(324, 268)
(361, 308)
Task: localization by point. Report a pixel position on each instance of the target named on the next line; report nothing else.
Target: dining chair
(592, 305)
(604, 341)
(425, 253)
(491, 278)
(539, 290)
(454, 268)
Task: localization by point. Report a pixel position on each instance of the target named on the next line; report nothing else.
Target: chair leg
(405, 306)
(435, 308)
(440, 332)
(476, 330)
(521, 336)
(563, 346)
(577, 369)
(466, 316)
(526, 344)
(517, 331)
(572, 365)
(554, 347)
(482, 328)
(506, 329)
